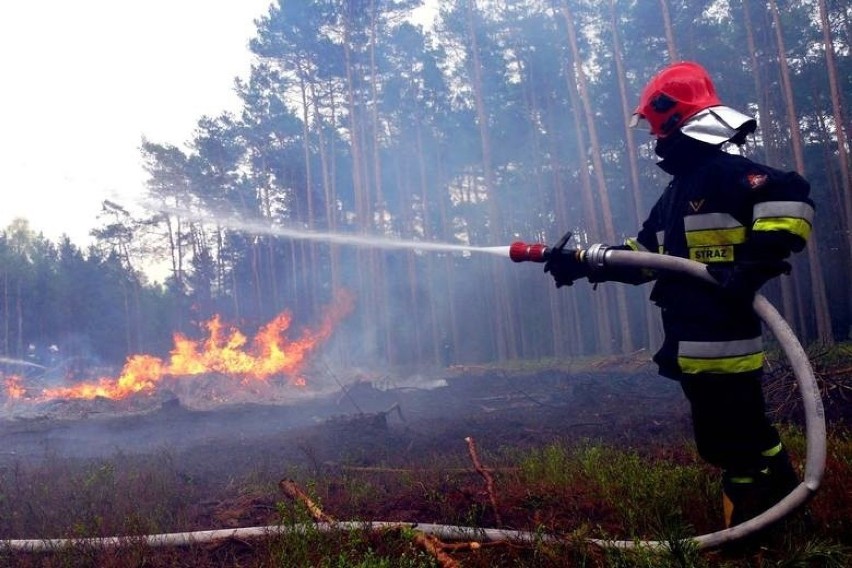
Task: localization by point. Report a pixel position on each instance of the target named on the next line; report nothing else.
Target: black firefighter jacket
(726, 211)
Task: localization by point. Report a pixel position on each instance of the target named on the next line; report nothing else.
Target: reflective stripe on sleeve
(738, 356)
(741, 480)
(634, 244)
(713, 229)
(773, 451)
(794, 217)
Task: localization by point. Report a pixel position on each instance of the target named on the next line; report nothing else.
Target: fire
(225, 351)
(14, 388)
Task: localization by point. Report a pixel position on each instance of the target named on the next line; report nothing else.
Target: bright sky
(84, 80)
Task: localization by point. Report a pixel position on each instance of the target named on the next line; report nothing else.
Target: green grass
(577, 490)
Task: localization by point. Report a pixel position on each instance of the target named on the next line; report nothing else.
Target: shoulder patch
(756, 180)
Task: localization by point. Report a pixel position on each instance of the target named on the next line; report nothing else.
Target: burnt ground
(384, 420)
(362, 423)
(383, 423)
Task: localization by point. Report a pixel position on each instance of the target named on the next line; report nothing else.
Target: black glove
(744, 279)
(566, 266)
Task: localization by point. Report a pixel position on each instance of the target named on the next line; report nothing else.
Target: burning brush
(225, 352)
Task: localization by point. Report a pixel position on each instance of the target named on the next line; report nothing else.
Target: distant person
(446, 350)
(742, 219)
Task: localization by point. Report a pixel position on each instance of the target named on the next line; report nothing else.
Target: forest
(364, 123)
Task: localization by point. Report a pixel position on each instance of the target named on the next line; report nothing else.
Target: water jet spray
(22, 362)
(263, 227)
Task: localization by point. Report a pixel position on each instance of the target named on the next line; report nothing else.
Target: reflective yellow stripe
(741, 480)
(794, 217)
(716, 237)
(720, 365)
(713, 229)
(634, 244)
(792, 225)
(738, 356)
(772, 451)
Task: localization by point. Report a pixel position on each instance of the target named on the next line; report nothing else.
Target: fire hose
(597, 256)
(600, 256)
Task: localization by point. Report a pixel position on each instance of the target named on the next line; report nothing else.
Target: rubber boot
(749, 493)
(779, 474)
(743, 497)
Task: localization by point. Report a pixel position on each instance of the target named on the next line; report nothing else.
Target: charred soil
(372, 450)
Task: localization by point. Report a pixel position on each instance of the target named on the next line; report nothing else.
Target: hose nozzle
(524, 252)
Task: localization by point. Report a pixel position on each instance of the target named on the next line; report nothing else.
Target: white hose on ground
(814, 464)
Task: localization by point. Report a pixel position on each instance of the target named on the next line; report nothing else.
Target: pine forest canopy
(498, 121)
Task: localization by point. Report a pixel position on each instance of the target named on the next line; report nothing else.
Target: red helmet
(673, 96)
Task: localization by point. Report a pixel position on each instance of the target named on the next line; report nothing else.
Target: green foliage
(645, 492)
(642, 490)
(471, 130)
(552, 465)
(814, 552)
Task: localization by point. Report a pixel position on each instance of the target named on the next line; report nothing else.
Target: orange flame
(14, 388)
(223, 352)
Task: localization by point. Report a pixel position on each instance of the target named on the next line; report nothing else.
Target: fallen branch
(431, 544)
(486, 475)
(291, 490)
(435, 547)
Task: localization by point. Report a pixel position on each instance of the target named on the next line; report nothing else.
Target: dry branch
(291, 490)
(435, 547)
(486, 475)
(427, 542)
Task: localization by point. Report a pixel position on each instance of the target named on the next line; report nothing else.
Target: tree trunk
(564, 320)
(6, 314)
(379, 272)
(839, 122)
(326, 155)
(19, 319)
(436, 336)
(309, 276)
(600, 306)
(818, 293)
(364, 259)
(654, 338)
(603, 193)
(667, 26)
(504, 328)
(787, 287)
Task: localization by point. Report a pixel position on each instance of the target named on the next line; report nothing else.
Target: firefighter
(743, 220)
